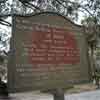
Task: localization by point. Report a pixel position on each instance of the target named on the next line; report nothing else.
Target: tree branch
(34, 6)
(30, 5)
(61, 3)
(3, 22)
(3, 1)
(80, 6)
(5, 15)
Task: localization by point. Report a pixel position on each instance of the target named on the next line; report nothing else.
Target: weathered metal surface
(49, 51)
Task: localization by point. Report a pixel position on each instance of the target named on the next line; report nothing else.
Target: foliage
(65, 7)
(92, 21)
(69, 8)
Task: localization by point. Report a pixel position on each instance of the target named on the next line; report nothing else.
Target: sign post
(58, 94)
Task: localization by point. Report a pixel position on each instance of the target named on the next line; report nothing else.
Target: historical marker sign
(48, 51)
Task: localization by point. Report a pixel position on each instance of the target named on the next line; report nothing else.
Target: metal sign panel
(46, 53)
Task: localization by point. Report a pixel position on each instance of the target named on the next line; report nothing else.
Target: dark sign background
(47, 54)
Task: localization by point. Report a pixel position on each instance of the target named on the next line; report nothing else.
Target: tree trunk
(92, 61)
